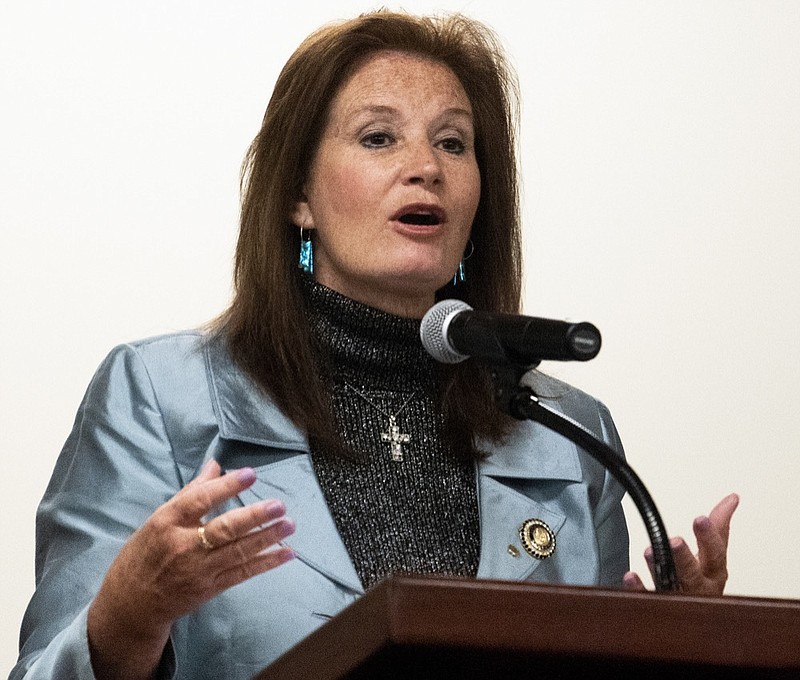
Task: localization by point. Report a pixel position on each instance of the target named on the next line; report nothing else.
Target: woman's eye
(452, 145)
(376, 139)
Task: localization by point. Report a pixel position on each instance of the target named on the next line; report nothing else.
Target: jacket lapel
(283, 465)
(316, 540)
(532, 456)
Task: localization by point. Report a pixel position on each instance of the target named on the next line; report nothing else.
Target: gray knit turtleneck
(418, 516)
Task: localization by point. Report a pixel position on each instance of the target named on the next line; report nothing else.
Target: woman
(386, 160)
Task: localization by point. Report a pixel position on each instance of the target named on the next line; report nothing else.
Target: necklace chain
(393, 436)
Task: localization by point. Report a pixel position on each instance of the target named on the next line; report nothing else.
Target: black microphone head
(433, 331)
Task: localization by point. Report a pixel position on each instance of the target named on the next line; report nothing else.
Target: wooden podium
(445, 628)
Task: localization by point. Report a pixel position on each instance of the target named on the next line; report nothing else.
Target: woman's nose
(422, 165)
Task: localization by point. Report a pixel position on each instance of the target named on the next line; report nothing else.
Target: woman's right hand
(165, 570)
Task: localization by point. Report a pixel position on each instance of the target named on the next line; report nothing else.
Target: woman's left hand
(706, 572)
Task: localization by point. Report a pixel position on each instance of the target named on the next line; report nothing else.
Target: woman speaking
(383, 178)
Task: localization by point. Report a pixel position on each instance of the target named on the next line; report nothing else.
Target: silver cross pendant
(395, 439)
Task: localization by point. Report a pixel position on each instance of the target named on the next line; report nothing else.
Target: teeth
(426, 219)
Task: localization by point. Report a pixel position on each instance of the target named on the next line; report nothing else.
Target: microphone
(452, 331)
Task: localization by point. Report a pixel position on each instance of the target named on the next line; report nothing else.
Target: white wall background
(661, 165)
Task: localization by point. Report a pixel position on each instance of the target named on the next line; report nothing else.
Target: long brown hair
(266, 323)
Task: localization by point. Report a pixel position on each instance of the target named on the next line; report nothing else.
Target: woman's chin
(432, 273)
(408, 289)
(422, 283)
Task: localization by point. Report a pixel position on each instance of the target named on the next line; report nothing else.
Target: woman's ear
(301, 215)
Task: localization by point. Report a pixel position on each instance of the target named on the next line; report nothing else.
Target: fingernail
(286, 527)
(246, 475)
(273, 509)
(288, 553)
(702, 523)
(675, 543)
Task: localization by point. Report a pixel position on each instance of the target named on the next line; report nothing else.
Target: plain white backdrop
(660, 153)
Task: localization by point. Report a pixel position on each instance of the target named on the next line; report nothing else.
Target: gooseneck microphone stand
(520, 402)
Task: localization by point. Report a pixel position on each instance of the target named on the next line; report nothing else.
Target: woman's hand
(166, 569)
(707, 572)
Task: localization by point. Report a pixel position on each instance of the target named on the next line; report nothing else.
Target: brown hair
(266, 323)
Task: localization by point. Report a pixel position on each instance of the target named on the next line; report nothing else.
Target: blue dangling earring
(460, 277)
(461, 274)
(306, 262)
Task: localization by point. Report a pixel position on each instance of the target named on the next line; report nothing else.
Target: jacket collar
(533, 455)
(243, 411)
(531, 452)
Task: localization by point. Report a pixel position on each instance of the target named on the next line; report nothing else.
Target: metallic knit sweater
(415, 516)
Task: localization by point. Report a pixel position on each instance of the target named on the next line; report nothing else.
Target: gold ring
(201, 532)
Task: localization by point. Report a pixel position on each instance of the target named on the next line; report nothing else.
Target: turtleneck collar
(366, 346)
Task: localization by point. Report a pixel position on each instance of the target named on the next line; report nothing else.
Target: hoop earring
(306, 261)
(461, 275)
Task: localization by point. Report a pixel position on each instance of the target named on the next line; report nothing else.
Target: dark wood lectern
(444, 628)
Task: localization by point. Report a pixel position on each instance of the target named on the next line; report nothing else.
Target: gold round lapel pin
(537, 538)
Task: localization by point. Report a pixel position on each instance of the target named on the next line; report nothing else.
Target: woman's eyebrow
(380, 109)
(392, 111)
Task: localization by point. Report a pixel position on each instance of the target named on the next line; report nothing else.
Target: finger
(722, 513)
(686, 565)
(711, 549)
(648, 558)
(250, 547)
(631, 581)
(210, 470)
(196, 500)
(236, 523)
(264, 562)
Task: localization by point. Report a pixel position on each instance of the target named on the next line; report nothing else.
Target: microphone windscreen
(433, 331)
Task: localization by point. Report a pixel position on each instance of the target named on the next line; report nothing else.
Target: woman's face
(394, 185)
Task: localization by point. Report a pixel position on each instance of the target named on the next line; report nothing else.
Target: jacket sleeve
(116, 467)
(610, 525)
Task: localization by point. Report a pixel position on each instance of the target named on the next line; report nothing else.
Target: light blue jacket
(156, 410)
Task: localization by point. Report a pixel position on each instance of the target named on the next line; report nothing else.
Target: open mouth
(420, 219)
(421, 215)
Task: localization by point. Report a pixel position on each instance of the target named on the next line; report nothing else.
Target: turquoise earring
(306, 262)
(461, 275)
